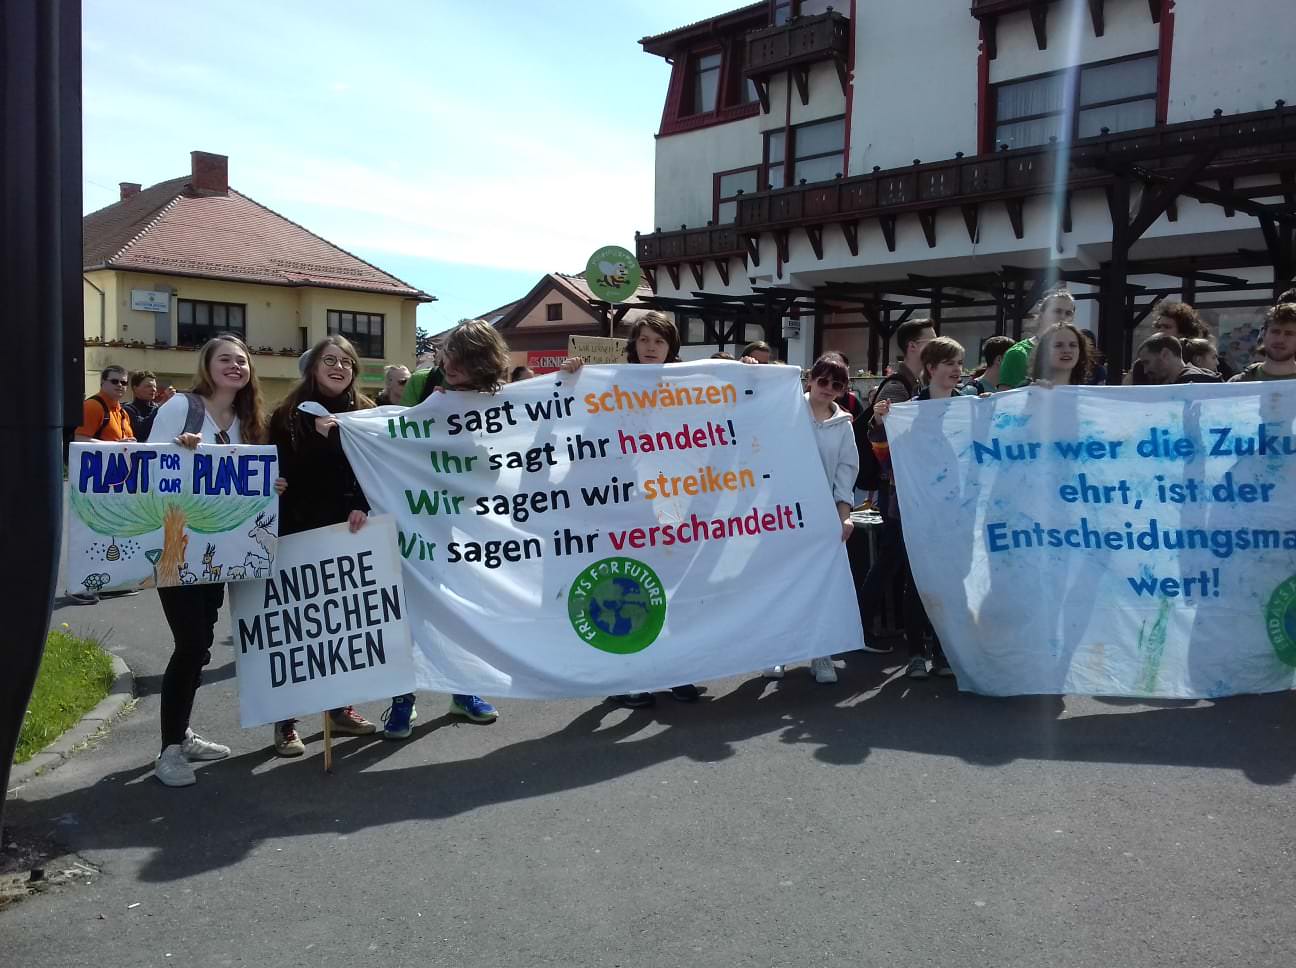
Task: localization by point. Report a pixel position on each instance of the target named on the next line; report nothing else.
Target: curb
(120, 694)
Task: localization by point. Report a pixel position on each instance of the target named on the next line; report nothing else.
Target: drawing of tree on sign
(136, 514)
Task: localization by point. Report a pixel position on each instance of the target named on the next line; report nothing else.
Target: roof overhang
(667, 44)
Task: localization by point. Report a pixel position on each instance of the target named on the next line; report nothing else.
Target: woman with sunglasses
(325, 490)
(835, 438)
(232, 414)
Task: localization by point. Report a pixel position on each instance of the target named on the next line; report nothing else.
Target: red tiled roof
(171, 230)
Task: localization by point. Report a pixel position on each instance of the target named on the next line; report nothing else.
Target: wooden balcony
(1256, 143)
(796, 46)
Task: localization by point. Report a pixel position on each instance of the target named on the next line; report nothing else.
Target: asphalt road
(871, 822)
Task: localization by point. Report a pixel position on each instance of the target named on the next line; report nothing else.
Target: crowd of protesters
(318, 487)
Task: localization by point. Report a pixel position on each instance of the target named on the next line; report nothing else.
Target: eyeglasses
(342, 361)
(117, 383)
(835, 385)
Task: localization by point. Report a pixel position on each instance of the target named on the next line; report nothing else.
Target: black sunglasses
(827, 381)
(117, 383)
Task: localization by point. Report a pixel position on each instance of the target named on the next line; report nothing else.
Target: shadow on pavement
(242, 802)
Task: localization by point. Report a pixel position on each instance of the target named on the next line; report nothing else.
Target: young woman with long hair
(475, 358)
(1063, 356)
(226, 384)
(324, 489)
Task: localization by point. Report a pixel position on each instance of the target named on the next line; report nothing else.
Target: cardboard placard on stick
(597, 349)
(328, 628)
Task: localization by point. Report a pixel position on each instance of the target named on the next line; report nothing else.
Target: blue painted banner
(1125, 541)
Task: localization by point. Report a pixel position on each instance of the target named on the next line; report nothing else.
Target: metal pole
(40, 266)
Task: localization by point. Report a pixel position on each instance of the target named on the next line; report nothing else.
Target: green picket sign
(613, 274)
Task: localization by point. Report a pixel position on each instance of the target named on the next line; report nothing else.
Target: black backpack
(870, 472)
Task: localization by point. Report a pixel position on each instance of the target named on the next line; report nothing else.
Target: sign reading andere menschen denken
(327, 628)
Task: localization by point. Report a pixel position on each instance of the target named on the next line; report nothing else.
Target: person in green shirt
(421, 384)
(1056, 307)
(1279, 341)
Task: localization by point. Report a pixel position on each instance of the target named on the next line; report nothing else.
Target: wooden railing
(806, 40)
(1239, 140)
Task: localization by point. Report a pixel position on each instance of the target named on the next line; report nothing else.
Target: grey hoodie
(835, 439)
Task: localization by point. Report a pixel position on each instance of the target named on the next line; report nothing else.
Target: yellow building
(169, 266)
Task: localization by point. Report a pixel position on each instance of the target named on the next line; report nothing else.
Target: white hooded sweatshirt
(836, 441)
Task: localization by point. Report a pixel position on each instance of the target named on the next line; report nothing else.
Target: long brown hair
(248, 406)
(1042, 355)
(308, 387)
(477, 347)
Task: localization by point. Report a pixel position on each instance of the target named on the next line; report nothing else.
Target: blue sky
(465, 147)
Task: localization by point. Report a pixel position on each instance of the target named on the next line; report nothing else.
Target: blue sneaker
(473, 707)
(399, 717)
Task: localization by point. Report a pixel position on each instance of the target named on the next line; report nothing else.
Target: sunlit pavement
(876, 821)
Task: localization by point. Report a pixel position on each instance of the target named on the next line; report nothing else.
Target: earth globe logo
(617, 605)
(1280, 621)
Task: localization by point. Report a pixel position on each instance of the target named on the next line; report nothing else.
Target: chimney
(128, 189)
(210, 173)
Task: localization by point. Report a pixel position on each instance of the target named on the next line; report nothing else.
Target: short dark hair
(994, 348)
(1162, 341)
(519, 373)
(757, 346)
(830, 365)
(1284, 313)
(1196, 349)
(139, 376)
(663, 326)
(114, 368)
(722, 355)
(910, 330)
(1188, 324)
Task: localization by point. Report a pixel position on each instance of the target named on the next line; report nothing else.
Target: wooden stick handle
(328, 743)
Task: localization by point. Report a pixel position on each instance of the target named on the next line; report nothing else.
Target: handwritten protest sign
(597, 349)
(1110, 541)
(624, 528)
(326, 629)
(161, 514)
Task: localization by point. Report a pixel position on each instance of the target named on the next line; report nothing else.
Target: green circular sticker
(613, 274)
(617, 605)
(1280, 621)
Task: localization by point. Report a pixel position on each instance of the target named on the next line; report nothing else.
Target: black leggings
(191, 611)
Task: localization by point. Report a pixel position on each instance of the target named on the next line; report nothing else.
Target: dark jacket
(322, 489)
(1195, 374)
(141, 413)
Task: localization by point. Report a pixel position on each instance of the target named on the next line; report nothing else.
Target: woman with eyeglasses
(323, 489)
(834, 436)
(232, 413)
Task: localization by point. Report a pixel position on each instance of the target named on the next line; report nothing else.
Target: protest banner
(619, 529)
(160, 515)
(597, 349)
(1124, 541)
(328, 628)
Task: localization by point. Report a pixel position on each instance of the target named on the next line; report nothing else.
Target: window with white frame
(1119, 95)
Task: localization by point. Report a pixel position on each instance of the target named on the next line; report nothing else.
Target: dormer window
(704, 83)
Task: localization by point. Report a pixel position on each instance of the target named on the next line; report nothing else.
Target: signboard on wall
(150, 301)
(545, 361)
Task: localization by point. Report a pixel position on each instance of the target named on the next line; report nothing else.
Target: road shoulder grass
(75, 674)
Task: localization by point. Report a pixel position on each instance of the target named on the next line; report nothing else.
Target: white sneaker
(823, 669)
(172, 769)
(773, 672)
(195, 747)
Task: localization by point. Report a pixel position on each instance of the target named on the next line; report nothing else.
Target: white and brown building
(825, 170)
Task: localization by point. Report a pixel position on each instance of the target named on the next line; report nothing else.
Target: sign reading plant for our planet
(1130, 541)
(622, 528)
(146, 515)
(613, 274)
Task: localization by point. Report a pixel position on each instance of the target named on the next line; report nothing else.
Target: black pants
(893, 560)
(191, 611)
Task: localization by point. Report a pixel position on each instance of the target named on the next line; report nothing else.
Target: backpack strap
(197, 414)
(107, 414)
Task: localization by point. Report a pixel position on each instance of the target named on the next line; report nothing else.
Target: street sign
(613, 274)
